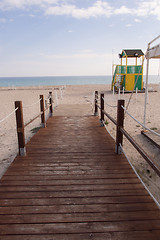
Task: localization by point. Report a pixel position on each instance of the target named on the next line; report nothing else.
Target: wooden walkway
(72, 186)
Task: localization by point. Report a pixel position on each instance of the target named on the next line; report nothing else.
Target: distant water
(48, 81)
(66, 80)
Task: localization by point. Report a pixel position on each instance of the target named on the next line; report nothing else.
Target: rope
(2, 120)
(141, 123)
(155, 200)
(114, 106)
(32, 104)
(111, 105)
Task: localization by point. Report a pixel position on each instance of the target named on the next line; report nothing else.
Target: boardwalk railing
(120, 131)
(20, 122)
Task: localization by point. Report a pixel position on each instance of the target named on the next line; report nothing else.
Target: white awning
(153, 52)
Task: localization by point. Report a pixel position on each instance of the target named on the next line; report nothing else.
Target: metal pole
(120, 121)
(146, 89)
(20, 128)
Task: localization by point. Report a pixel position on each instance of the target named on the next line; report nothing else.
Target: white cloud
(129, 25)
(70, 31)
(137, 20)
(99, 8)
(60, 10)
(21, 4)
(149, 8)
(123, 10)
(145, 9)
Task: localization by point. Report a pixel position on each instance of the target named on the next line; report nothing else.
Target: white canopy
(153, 52)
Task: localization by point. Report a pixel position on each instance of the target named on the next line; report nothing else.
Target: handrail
(141, 151)
(107, 115)
(120, 129)
(33, 120)
(49, 105)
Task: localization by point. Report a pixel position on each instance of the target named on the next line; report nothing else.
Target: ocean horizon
(61, 80)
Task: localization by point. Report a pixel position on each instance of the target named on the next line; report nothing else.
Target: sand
(71, 105)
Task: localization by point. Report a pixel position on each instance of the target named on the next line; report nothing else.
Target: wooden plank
(79, 217)
(77, 208)
(69, 177)
(64, 173)
(91, 193)
(132, 235)
(85, 227)
(73, 200)
(69, 167)
(69, 182)
(70, 188)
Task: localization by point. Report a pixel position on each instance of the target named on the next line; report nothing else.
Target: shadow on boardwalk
(71, 185)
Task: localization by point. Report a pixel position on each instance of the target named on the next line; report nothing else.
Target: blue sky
(72, 37)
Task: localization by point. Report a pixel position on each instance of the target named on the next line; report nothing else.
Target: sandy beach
(74, 97)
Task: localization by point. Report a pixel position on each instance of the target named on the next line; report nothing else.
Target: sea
(61, 80)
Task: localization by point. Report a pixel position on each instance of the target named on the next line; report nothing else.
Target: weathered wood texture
(72, 186)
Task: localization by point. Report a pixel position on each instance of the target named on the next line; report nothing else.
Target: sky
(73, 37)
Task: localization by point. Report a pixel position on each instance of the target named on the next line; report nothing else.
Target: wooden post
(95, 104)
(102, 109)
(42, 109)
(50, 101)
(120, 120)
(20, 128)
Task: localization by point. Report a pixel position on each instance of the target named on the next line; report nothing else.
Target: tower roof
(131, 53)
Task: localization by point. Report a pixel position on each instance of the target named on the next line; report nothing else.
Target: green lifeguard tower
(128, 77)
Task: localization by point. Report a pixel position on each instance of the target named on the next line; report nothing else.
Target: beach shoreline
(82, 94)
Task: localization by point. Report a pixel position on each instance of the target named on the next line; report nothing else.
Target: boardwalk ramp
(72, 186)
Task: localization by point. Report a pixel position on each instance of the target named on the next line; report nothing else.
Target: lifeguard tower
(129, 77)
